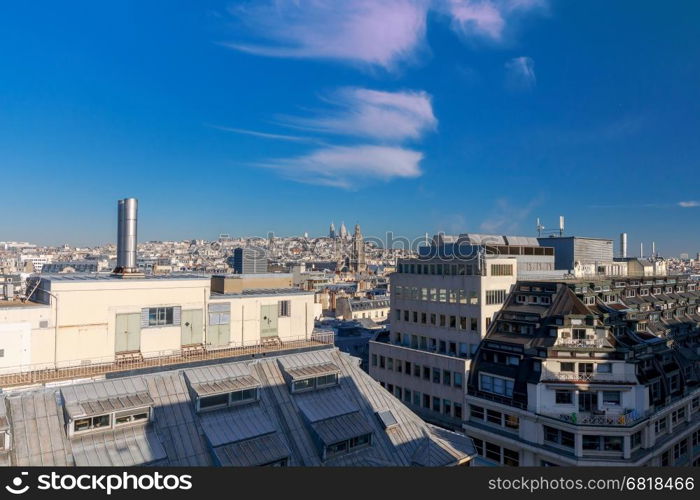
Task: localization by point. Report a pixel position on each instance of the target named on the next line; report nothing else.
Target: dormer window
(110, 413)
(223, 399)
(312, 377)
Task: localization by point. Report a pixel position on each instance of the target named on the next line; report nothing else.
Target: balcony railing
(627, 417)
(66, 370)
(582, 343)
(550, 376)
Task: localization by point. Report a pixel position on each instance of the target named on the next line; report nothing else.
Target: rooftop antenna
(539, 227)
(653, 249)
(641, 250)
(561, 225)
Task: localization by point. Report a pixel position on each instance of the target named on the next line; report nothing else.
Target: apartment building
(536, 260)
(602, 372)
(440, 309)
(349, 308)
(75, 319)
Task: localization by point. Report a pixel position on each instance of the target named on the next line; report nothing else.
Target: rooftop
(278, 425)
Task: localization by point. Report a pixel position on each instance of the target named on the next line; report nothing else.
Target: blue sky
(411, 116)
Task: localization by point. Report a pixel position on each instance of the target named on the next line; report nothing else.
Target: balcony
(594, 377)
(582, 343)
(604, 418)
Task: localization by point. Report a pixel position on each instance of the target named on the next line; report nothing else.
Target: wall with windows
(430, 384)
(88, 310)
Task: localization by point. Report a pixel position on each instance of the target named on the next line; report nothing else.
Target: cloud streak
(383, 116)
(520, 73)
(689, 204)
(349, 167)
(265, 135)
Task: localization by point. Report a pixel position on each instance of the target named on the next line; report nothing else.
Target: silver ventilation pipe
(623, 245)
(127, 214)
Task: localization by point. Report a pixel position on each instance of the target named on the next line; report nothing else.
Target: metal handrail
(42, 373)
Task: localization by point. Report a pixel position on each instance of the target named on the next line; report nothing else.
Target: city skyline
(453, 116)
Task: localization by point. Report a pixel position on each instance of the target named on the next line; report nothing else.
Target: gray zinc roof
(280, 425)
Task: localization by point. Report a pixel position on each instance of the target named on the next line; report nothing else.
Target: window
(327, 380)
(300, 385)
(284, 308)
(591, 442)
(131, 416)
(244, 396)
(436, 404)
(457, 410)
(511, 421)
(636, 440)
(407, 367)
(337, 449)
(426, 373)
(611, 397)
(558, 436)
(91, 423)
(511, 458)
(382, 362)
(446, 377)
(496, 385)
(604, 368)
(678, 416)
(447, 407)
(436, 375)
(566, 367)
(457, 379)
(476, 412)
(160, 316)
(612, 443)
(494, 417)
(389, 363)
(680, 449)
(216, 401)
(501, 270)
(660, 426)
(374, 360)
(563, 397)
(495, 297)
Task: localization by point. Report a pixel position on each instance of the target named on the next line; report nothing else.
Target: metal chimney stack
(623, 245)
(127, 213)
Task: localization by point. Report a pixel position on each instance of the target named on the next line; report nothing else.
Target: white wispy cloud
(506, 217)
(377, 33)
(349, 167)
(520, 73)
(383, 116)
(689, 204)
(485, 18)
